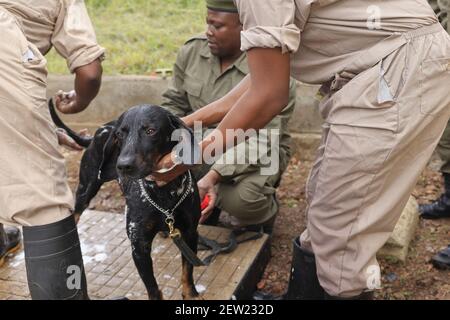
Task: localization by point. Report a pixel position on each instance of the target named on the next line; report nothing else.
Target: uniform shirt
(64, 24)
(197, 81)
(325, 36)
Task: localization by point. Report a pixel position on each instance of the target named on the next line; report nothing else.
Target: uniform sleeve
(268, 24)
(74, 36)
(175, 97)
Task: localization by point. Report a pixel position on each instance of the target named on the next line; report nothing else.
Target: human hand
(66, 102)
(66, 141)
(207, 187)
(166, 170)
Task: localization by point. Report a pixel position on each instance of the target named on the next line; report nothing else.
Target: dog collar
(167, 212)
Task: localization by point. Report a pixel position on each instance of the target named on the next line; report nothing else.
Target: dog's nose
(125, 165)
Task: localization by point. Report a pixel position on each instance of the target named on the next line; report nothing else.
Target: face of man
(223, 33)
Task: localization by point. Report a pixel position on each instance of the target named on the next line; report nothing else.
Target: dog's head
(132, 146)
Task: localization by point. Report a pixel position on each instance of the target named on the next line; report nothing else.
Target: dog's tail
(82, 141)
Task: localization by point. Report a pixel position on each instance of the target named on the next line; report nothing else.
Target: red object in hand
(205, 202)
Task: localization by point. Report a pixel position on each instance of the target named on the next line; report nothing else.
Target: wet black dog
(127, 150)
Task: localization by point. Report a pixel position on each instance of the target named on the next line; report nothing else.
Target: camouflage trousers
(443, 150)
(248, 197)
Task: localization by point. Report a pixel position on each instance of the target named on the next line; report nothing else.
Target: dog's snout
(126, 164)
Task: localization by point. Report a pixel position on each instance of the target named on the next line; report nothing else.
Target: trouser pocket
(34, 73)
(434, 86)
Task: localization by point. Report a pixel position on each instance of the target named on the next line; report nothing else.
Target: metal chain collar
(167, 213)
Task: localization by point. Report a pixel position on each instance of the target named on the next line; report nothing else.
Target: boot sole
(441, 265)
(10, 251)
(431, 217)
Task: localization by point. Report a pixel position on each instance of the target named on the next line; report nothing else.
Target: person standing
(384, 70)
(34, 192)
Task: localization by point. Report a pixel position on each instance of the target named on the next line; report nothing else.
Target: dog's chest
(146, 197)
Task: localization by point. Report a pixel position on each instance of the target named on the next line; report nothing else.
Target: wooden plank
(111, 272)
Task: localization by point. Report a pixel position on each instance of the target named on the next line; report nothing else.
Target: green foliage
(140, 36)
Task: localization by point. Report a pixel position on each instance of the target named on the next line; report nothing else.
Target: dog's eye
(150, 131)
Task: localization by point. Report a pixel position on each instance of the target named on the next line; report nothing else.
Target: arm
(74, 39)
(87, 84)
(88, 80)
(266, 95)
(220, 172)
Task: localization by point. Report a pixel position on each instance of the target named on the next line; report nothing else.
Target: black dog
(127, 149)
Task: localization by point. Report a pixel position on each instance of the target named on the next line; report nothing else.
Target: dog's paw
(155, 295)
(191, 295)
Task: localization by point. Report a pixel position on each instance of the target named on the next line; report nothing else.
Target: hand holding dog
(166, 170)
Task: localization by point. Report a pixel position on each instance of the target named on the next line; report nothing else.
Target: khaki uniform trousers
(33, 181)
(380, 130)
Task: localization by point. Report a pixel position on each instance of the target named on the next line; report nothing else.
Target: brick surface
(111, 272)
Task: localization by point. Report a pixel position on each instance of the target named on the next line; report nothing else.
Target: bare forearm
(87, 84)
(216, 111)
(266, 96)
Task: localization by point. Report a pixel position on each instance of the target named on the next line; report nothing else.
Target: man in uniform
(34, 190)
(384, 67)
(207, 68)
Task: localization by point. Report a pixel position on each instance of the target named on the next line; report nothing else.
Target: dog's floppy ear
(101, 156)
(184, 140)
(98, 165)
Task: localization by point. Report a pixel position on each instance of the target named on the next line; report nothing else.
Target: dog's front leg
(144, 265)
(187, 279)
(141, 246)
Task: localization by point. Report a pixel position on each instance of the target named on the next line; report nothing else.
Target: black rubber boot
(9, 241)
(439, 208)
(54, 264)
(266, 227)
(442, 259)
(303, 281)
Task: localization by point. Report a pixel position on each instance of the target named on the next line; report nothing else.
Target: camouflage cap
(221, 5)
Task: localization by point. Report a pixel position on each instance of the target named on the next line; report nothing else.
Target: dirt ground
(414, 279)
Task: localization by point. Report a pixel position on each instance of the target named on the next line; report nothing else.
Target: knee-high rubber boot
(54, 264)
(303, 281)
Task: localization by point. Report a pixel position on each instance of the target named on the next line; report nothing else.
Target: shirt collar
(240, 63)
